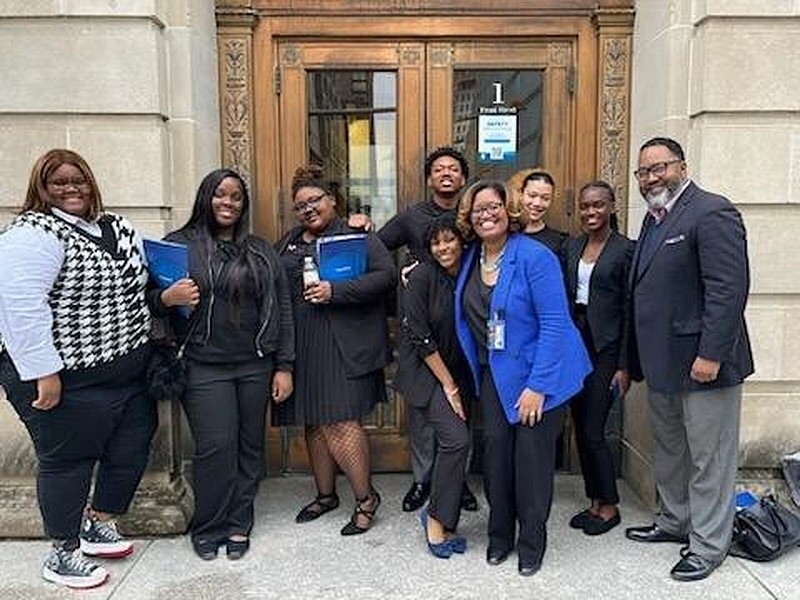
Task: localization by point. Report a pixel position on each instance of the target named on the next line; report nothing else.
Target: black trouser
(110, 424)
(518, 471)
(450, 460)
(226, 407)
(590, 410)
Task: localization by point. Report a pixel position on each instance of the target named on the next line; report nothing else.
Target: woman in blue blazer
(527, 359)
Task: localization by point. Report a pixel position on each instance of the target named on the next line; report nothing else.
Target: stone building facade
(133, 86)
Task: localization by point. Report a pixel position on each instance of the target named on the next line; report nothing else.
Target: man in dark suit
(689, 285)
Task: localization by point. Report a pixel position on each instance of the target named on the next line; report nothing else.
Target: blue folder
(342, 257)
(167, 262)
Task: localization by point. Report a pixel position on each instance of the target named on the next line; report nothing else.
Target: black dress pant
(109, 425)
(518, 471)
(590, 409)
(226, 408)
(450, 460)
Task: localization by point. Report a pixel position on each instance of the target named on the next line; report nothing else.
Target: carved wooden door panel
(358, 109)
(371, 110)
(534, 79)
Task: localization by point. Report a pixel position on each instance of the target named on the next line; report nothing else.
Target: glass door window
(520, 89)
(352, 130)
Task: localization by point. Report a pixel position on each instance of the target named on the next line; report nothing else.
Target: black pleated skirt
(323, 393)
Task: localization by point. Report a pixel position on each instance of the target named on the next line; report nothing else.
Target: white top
(584, 275)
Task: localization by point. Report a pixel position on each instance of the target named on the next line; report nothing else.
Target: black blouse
(477, 302)
(428, 326)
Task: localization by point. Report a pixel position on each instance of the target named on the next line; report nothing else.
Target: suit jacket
(357, 310)
(608, 290)
(688, 298)
(543, 349)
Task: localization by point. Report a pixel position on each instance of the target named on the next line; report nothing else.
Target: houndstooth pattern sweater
(97, 300)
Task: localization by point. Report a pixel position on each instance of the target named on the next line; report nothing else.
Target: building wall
(723, 77)
(132, 86)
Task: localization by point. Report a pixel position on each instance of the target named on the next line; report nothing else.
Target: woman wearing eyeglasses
(342, 347)
(527, 359)
(73, 353)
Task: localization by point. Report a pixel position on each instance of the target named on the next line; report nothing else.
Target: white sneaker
(70, 568)
(101, 539)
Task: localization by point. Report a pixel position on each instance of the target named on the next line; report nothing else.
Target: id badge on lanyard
(496, 331)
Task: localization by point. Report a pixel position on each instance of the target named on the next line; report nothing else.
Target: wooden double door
(370, 111)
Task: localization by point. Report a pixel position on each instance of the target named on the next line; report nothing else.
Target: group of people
(498, 313)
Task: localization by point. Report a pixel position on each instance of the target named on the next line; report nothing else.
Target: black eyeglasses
(78, 182)
(492, 209)
(657, 169)
(310, 204)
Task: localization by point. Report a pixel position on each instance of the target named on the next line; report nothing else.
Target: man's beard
(660, 199)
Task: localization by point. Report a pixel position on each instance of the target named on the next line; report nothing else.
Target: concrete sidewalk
(391, 561)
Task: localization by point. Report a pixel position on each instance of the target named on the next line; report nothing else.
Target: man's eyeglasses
(78, 182)
(490, 209)
(310, 204)
(657, 169)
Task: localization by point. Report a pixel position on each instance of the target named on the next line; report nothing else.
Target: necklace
(494, 265)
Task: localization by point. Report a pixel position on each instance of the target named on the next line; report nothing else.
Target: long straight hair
(202, 226)
(38, 198)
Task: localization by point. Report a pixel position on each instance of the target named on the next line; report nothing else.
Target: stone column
(143, 109)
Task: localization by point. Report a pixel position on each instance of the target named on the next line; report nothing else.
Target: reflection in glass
(521, 89)
(352, 131)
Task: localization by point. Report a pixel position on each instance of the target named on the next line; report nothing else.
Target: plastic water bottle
(310, 272)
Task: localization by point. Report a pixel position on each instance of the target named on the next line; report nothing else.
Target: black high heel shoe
(352, 527)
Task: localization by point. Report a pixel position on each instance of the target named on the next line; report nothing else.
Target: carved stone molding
(237, 104)
(614, 116)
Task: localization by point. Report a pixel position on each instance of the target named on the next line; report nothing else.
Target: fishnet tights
(344, 444)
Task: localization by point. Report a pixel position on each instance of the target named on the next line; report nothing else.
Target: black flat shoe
(416, 496)
(322, 503)
(598, 526)
(579, 520)
(468, 500)
(653, 534)
(496, 557)
(236, 549)
(692, 567)
(205, 549)
(527, 569)
(352, 527)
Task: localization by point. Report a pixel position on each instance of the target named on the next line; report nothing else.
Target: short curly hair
(517, 217)
(446, 151)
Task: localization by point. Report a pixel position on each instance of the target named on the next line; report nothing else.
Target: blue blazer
(543, 349)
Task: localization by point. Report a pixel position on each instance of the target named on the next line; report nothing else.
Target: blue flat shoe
(440, 550)
(458, 544)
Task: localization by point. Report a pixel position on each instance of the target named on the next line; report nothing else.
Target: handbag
(166, 371)
(764, 531)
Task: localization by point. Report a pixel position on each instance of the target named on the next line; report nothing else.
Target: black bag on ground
(764, 531)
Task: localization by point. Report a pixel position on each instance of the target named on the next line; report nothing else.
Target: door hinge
(572, 80)
(276, 80)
